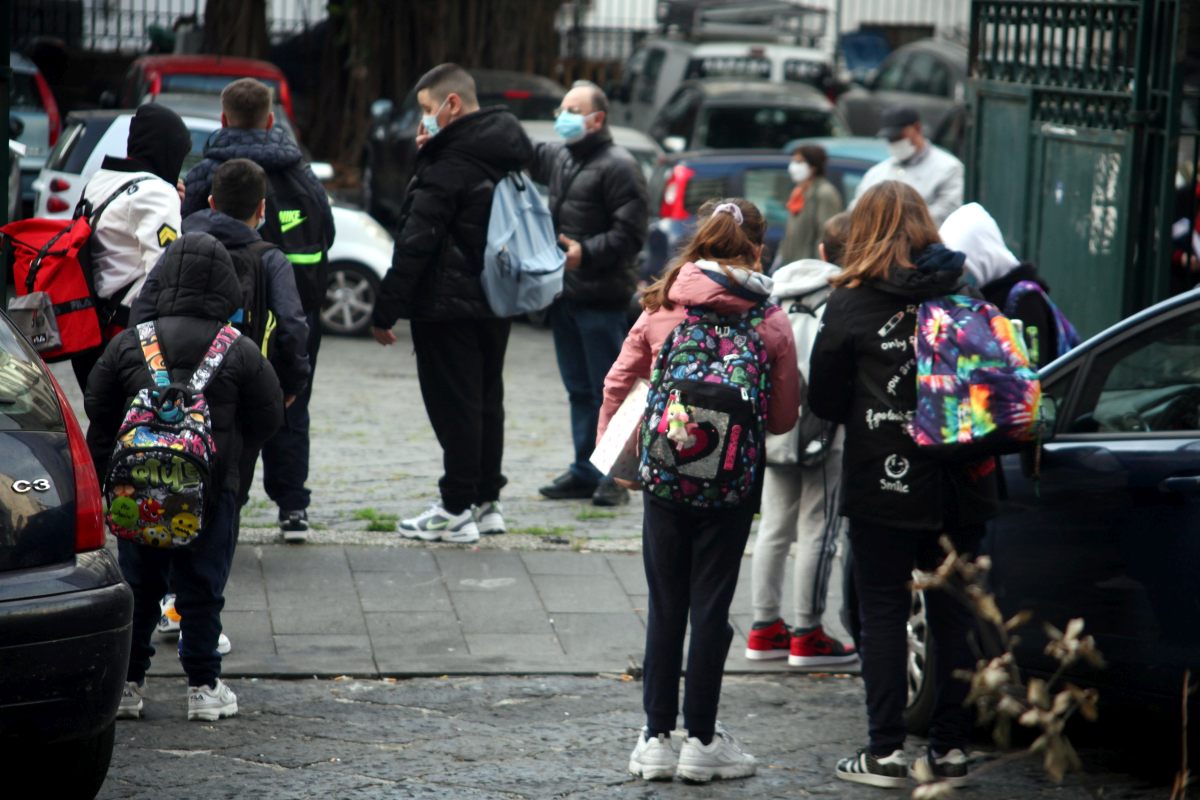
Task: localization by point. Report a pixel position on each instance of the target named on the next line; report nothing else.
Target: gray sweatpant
(794, 509)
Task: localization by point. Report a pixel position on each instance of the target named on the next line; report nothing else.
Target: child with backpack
(899, 499)
(800, 488)
(169, 459)
(722, 367)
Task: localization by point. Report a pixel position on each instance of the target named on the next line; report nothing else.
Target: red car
(153, 75)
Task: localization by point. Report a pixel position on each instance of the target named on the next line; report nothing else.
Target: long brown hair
(889, 223)
(718, 237)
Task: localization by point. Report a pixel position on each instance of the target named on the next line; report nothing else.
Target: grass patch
(381, 523)
(587, 513)
(538, 530)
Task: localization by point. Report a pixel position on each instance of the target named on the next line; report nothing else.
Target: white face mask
(799, 171)
(902, 149)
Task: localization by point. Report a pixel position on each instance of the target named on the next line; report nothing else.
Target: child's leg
(666, 551)
(776, 532)
(199, 574)
(145, 569)
(817, 529)
(718, 544)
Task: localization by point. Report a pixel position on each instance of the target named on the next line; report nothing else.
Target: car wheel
(349, 299)
(73, 770)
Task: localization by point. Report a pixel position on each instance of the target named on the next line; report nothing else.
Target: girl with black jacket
(898, 500)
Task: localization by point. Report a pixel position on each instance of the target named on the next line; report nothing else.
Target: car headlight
(376, 231)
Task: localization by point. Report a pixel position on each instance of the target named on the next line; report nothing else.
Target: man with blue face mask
(598, 200)
(935, 174)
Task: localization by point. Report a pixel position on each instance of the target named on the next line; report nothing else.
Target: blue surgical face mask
(430, 121)
(570, 125)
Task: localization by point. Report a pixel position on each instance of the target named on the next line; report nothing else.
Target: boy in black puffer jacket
(198, 291)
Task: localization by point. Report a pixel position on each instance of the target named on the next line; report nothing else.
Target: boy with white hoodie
(800, 489)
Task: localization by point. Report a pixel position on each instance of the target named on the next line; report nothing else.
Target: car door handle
(1183, 484)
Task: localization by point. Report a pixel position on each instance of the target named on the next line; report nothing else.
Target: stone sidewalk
(302, 611)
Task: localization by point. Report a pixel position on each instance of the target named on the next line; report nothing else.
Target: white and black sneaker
(131, 701)
(437, 523)
(950, 768)
(211, 703)
(653, 759)
(723, 757)
(294, 525)
(489, 517)
(887, 772)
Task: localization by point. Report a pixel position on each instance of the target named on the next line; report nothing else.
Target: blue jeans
(586, 341)
(198, 574)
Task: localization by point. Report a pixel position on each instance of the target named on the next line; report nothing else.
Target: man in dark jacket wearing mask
(198, 292)
(300, 222)
(435, 283)
(598, 199)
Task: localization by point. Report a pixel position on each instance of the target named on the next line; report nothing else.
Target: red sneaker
(818, 649)
(770, 642)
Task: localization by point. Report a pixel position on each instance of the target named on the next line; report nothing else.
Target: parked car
(930, 76)
(360, 255)
(720, 114)
(202, 74)
(194, 104)
(1101, 523)
(391, 149)
(31, 101)
(658, 66)
(15, 151)
(65, 611)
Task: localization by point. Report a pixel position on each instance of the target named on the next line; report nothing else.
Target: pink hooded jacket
(705, 284)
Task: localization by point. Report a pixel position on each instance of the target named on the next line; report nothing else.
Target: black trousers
(460, 366)
(198, 574)
(285, 455)
(692, 559)
(883, 562)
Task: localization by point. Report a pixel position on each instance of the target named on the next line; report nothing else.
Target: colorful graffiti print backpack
(159, 482)
(977, 394)
(702, 437)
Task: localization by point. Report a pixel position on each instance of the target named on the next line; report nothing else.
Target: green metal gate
(1074, 131)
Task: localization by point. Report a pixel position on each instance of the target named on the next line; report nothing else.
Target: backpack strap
(152, 352)
(83, 209)
(213, 359)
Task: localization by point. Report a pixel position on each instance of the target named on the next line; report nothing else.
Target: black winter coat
(442, 230)
(598, 198)
(863, 375)
(199, 290)
(1041, 331)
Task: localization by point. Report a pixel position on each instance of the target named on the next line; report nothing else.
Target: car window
(919, 75)
(199, 140)
(27, 399)
(845, 178)
(1149, 382)
(702, 188)
(207, 84)
(940, 82)
(76, 145)
(23, 92)
(678, 116)
(766, 127)
(768, 188)
(650, 71)
(891, 76)
(805, 71)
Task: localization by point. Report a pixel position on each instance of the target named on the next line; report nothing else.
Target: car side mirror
(674, 144)
(381, 108)
(15, 127)
(323, 170)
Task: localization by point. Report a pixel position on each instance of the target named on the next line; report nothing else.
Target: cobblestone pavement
(512, 737)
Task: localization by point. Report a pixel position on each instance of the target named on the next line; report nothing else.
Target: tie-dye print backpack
(158, 488)
(977, 393)
(702, 437)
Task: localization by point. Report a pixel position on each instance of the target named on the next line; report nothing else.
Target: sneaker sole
(213, 714)
(295, 537)
(706, 774)
(822, 661)
(765, 655)
(649, 773)
(878, 781)
(130, 713)
(491, 528)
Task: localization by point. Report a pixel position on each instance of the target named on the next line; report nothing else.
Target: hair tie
(732, 210)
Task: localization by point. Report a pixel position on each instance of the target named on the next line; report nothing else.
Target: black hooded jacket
(158, 142)
(442, 230)
(863, 375)
(598, 198)
(198, 291)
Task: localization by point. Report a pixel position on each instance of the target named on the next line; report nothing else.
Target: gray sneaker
(489, 517)
(437, 523)
(723, 757)
(211, 703)
(131, 702)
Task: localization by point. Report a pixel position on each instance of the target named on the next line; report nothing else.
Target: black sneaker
(609, 494)
(294, 525)
(568, 486)
(887, 772)
(951, 768)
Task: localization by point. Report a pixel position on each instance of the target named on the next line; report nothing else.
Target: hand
(422, 135)
(384, 336)
(179, 187)
(574, 251)
(633, 486)
(288, 399)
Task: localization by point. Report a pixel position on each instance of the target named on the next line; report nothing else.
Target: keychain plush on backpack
(677, 425)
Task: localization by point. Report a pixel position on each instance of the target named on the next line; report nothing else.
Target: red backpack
(55, 305)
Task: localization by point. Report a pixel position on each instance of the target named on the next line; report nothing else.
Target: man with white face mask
(935, 174)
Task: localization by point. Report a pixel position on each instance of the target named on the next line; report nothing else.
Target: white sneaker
(723, 757)
(211, 704)
(653, 759)
(131, 702)
(168, 623)
(437, 523)
(223, 644)
(490, 518)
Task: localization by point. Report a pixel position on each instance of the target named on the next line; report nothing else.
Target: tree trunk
(236, 28)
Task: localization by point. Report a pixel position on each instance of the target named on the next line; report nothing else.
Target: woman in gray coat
(812, 202)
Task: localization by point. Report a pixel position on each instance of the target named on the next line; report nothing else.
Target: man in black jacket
(598, 199)
(435, 283)
(300, 221)
(198, 292)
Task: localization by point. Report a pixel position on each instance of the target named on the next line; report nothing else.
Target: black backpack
(295, 223)
(254, 319)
